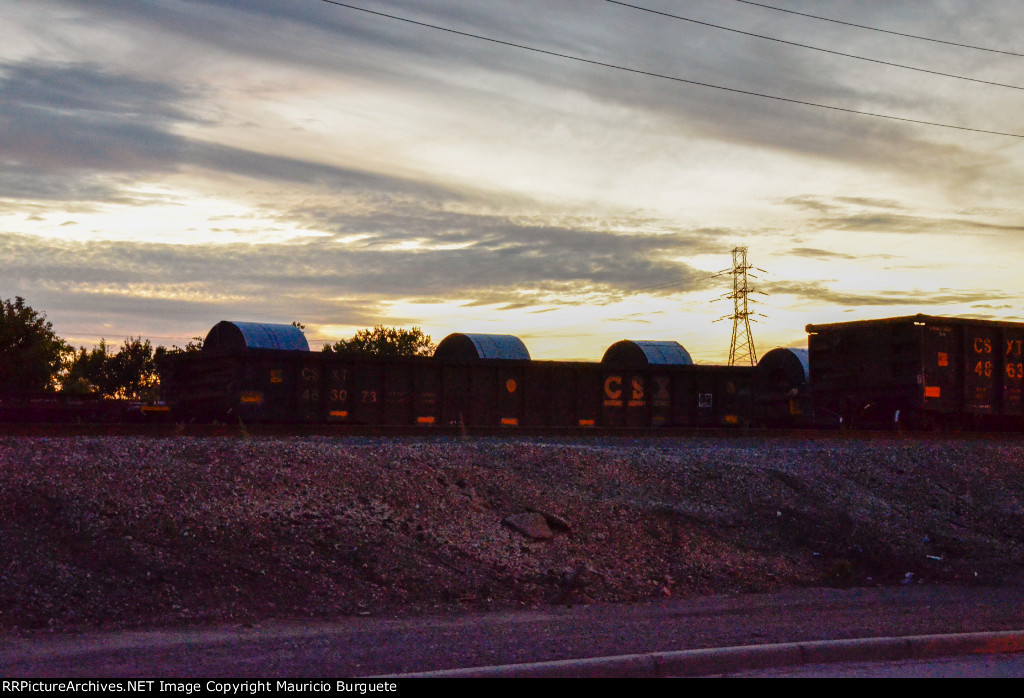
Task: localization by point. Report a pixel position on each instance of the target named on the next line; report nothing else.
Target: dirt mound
(117, 532)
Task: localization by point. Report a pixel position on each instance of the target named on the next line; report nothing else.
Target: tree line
(34, 360)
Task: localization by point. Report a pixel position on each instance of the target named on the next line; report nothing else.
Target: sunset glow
(167, 165)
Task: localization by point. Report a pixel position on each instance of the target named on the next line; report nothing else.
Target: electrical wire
(661, 76)
(884, 31)
(814, 48)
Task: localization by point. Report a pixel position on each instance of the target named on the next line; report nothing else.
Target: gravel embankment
(119, 532)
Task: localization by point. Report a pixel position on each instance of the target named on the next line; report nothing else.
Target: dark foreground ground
(108, 533)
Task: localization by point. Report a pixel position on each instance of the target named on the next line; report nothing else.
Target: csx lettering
(613, 387)
(310, 374)
(982, 345)
(1013, 347)
(638, 389)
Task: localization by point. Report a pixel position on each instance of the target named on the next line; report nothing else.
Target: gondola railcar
(915, 372)
(253, 373)
(919, 372)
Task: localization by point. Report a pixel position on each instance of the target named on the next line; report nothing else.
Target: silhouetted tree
(129, 374)
(194, 345)
(87, 374)
(133, 370)
(384, 341)
(31, 354)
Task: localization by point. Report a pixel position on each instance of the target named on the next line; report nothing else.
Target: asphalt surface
(744, 660)
(668, 637)
(973, 666)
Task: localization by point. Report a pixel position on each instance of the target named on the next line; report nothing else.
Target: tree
(31, 354)
(133, 373)
(384, 341)
(194, 346)
(129, 374)
(87, 374)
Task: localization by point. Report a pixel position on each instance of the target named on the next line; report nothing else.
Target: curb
(724, 660)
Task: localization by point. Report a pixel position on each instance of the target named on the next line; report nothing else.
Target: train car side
(920, 371)
(59, 408)
(261, 386)
(915, 372)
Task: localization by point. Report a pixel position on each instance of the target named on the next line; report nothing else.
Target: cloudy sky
(166, 164)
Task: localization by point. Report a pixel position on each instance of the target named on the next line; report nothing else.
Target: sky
(168, 164)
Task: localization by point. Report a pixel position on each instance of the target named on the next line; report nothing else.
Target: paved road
(997, 666)
(370, 646)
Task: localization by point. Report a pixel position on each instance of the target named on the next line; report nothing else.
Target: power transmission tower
(741, 349)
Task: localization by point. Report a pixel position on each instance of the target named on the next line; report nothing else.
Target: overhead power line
(673, 78)
(884, 31)
(813, 48)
